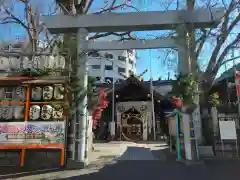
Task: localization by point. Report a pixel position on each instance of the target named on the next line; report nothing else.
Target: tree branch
(221, 38)
(88, 6)
(225, 52)
(97, 36)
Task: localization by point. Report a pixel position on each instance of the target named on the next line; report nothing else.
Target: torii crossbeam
(134, 21)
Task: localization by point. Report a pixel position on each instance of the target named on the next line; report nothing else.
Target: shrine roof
(143, 85)
(146, 84)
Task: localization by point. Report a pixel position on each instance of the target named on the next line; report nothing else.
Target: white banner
(227, 130)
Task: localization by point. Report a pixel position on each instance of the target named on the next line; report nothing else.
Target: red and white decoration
(237, 81)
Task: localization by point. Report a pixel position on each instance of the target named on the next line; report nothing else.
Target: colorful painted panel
(32, 133)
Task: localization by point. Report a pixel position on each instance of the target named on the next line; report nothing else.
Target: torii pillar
(120, 22)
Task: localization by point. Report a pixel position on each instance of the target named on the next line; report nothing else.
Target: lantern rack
(28, 83)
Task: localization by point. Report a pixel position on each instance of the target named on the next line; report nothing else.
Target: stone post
(81, 119)
(214, 115)
(187, 141)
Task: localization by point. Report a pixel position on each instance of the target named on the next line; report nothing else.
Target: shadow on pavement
(141, 163)
(141, 170)
(138, 163)
(161, 169)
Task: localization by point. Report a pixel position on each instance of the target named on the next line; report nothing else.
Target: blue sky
(160, 67)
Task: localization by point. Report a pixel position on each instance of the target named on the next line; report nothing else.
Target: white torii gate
(119, 22)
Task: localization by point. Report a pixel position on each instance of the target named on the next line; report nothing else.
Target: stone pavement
(123, 161)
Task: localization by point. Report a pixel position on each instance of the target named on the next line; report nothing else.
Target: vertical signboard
(228, 132)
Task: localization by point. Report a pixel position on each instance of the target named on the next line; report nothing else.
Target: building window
(119, 81)
(96, 66)
(130, 62)
(93, 54)
(98, 78)
(108, 79)
(108, 67)
(121, 70)
(108, 56)
(130, 51)
(122, 58)
(130, 72)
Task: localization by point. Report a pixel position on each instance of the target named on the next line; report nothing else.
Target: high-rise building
(116, 65)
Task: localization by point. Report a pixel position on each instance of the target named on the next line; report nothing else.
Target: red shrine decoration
(98, 109)
(237, 81)
(177, 101)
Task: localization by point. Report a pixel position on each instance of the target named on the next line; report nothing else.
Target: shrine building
(133, 109)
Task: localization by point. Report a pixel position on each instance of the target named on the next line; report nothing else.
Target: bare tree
(222, 40)
(30, 22)
(226, 37)
(33, 25)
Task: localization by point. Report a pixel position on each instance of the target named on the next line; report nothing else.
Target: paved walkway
(137, 153)
(127, 161)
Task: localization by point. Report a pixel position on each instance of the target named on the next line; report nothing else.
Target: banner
(237, 81)
(32, 133)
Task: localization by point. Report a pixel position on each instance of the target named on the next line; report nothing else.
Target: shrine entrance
(132, 125)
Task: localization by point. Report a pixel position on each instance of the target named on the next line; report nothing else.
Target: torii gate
(119, 22)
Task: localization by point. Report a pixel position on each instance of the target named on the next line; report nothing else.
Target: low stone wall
(34, 159)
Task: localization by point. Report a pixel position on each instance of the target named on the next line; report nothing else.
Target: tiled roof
(108, 87)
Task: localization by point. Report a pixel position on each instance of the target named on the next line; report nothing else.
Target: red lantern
(177, 101)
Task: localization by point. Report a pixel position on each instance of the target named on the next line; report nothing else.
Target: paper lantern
(60, 62)
(19, 93)
(49, 62)
(36, 93)
(7, 112)
(47, 93)
(1, 93)
(4, 63)
(18, 112)
(46, 113)
(57, 113)
(34, 112)
(237, 75)
(238, 90)
(58, 92)
(177, 101)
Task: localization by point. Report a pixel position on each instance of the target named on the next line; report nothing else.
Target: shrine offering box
(32, 121)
